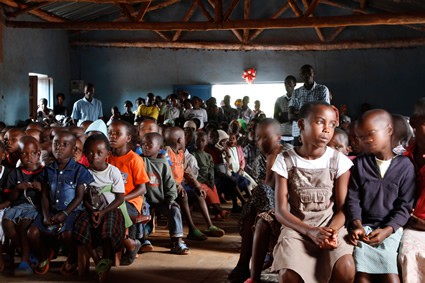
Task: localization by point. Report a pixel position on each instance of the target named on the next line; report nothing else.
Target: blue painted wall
(25, 51)
(390, 79)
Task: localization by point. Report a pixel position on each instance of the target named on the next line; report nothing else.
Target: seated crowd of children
(345, 205)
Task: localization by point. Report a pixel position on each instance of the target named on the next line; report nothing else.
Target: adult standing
(150, 110)
(229, 112)
(197, 112)
(87, 108)
(310, 91)
(59, 108)
(245, 112)
(281, 109)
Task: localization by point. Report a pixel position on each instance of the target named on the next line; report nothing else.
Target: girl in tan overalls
(311, 187)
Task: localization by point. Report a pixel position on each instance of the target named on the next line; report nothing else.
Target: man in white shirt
(87, 108)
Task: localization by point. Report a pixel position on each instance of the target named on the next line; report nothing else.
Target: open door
(41, 86)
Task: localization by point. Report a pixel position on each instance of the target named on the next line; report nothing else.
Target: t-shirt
(343, 164)
(85, 110)
(133, 172)
(177, 167)
(110, 176)
(20, 175)
(383, 166)
(200, 114)
(148, 111)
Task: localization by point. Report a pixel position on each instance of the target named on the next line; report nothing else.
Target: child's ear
(349, 149)
(109, 154)
(390, 130)
(129, 138)
(301, 124)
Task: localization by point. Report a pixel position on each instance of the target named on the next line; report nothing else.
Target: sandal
(239, 274)
(23, 269)
(180, 248)
(43, 266)
(130, 256)
(68, 268)
(146, 247)
(214, 231)
(103, 268)
(196, 235)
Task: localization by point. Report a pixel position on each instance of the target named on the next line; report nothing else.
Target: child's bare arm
(284, 216)
(341, 190)
(45, 203)
(5, 204)
(98, 215)
(139, 190)
(61, 216)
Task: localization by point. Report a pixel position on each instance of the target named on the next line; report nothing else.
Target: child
(102, 223)
(309, 178)
(23, 187)
(161, 190)
(116, 115)
(206, 175)
(79, 155)
(4, 202)
(380, 199)
(62, 190)
(175, 140)
(412, 248)
(340, 142)
(11, 140)
(133, 171)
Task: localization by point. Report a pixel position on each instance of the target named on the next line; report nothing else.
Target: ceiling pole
(230, 9)
(275, 16)
(247, 6)
(142, 11)
(204, 10)
(186, 18)
(310, 8)
(127, 10)
(318, 31)
(218, 8)
(297, 11)
(29, 8)
(335, 33)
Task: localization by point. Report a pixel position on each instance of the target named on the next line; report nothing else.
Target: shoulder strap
(288, 161)
(334, 161)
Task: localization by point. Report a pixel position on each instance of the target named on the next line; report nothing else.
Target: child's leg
(10, 232)
(344, 270)
(259, 248)
(289, 276)
(23, 239)
(362, 277)
(70, 246)
(204, 210)
(389, 278)
(183, 201)
(37, 244)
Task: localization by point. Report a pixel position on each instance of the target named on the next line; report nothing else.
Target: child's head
(35, 125)
(29, 153)
(375, 131)
(340, 141)
(223, 138)
(63, 146)
(233, 139)
(147, 126)
(317, 122)
(120, 134)
(79, 148)
(402, 131)
(268, 135)
(234, 127)
(417, 120)
(257, 105)
(34, 133)
(11, 139)
(212, 134)
(85, 125)
(115, 111)
(2, 151)
(97, 149)
(128, 105)
(151, 144)
(201, 140)
(174, 137)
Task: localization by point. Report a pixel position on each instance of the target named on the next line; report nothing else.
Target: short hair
(419, 108)
(94, 138)
(60, 94)
(201, 133)
(290, 78)
(29, 139)
(339, 131)
(128, 102)
(150, 95)
(44, 100)
(307, 108)
(155, 137)
(270, 122)
(89, 85)
(306, 67)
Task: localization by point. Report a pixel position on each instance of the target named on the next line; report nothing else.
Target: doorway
(41, 86)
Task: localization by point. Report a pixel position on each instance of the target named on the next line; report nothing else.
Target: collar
(36, 171)
(314, 86)
(69, 167)
(91, 102)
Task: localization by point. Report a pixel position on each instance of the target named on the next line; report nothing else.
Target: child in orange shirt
(132, 167)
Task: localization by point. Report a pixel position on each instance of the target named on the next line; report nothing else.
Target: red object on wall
(249, 75)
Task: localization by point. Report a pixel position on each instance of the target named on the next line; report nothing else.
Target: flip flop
(68, 268)
(43, 266)
(103, 268)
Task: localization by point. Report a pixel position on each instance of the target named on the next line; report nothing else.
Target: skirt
(23, 211)
(111, 228)
(300, 254)
(381, 259)
(412, 256)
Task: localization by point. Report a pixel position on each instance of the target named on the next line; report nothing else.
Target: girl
(102, 223)
(133, 171)
(23, 187)
(412, 247)
(309, 179)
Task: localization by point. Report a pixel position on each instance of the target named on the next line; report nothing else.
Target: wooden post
(230, 9)
(275, 16)
(247, 6)
(218, 11)
(204, 10)
(186, 18)
(318, 31)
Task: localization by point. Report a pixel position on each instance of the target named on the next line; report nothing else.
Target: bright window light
(265, 93)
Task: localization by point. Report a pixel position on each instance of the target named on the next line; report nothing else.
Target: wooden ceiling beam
(230, 9)
(38, 13)
(363, 4)
(204, 10)
(142, 11)
(186, 18)
(309, 22)
(128, 11)
(318, 31)
(218, 10)
(162, 5)
(302, 46)
(94, 1)
(275, 16)
(247, 7)
(29, 8)
(336, 33)
(311, 8)
(297, 11)
(215, 5)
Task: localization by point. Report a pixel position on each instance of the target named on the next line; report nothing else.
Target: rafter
(142, 11)
(336, 33)
(213, 5)
(311, 8)
(247, 6)
(186, 18)
(150, 8)
(275, 16)
(94, 1)
(218, 10)
(363, 4)
(40, 14)
(297, 11)
(29, 8)
(230, 9)
(204, 10)
(303, 46)
(318, 31)
(285, 23)
(128, 10)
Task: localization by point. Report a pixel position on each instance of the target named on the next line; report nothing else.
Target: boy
(62, 190)
(4, 202)
(11, 140)
(161, 191)
(340, 141)
(380, 200)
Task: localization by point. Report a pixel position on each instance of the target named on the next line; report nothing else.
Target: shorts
(23, 211)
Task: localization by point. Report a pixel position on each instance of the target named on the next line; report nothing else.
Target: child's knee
(288, 275)
(33, 233)
(345, 268)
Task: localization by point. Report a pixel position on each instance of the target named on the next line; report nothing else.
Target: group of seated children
(331, 219)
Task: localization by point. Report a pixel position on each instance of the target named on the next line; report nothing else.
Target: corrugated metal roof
(77, 11)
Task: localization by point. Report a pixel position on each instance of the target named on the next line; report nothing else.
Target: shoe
(180, 248)
(103, 268)
(146, 246)
(23, 269)
(196, 235)
(43, 266)
(239, 274)
(222, 215)
(68, 268)
(130, 256)
(214, 231)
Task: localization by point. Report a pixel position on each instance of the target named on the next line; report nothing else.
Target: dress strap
(334, 161)
(288, 161)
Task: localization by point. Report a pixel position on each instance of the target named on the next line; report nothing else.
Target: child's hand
(181, 191)
(332, 242)
(36, 186)
(47, 221)
(23, 186)
(240, 172)
(378, 236)
(319, 234)
(202, 192)
(96, 218)
(358, 234)
(58, 218)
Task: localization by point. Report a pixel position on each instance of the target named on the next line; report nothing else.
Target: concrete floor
(209, 261)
